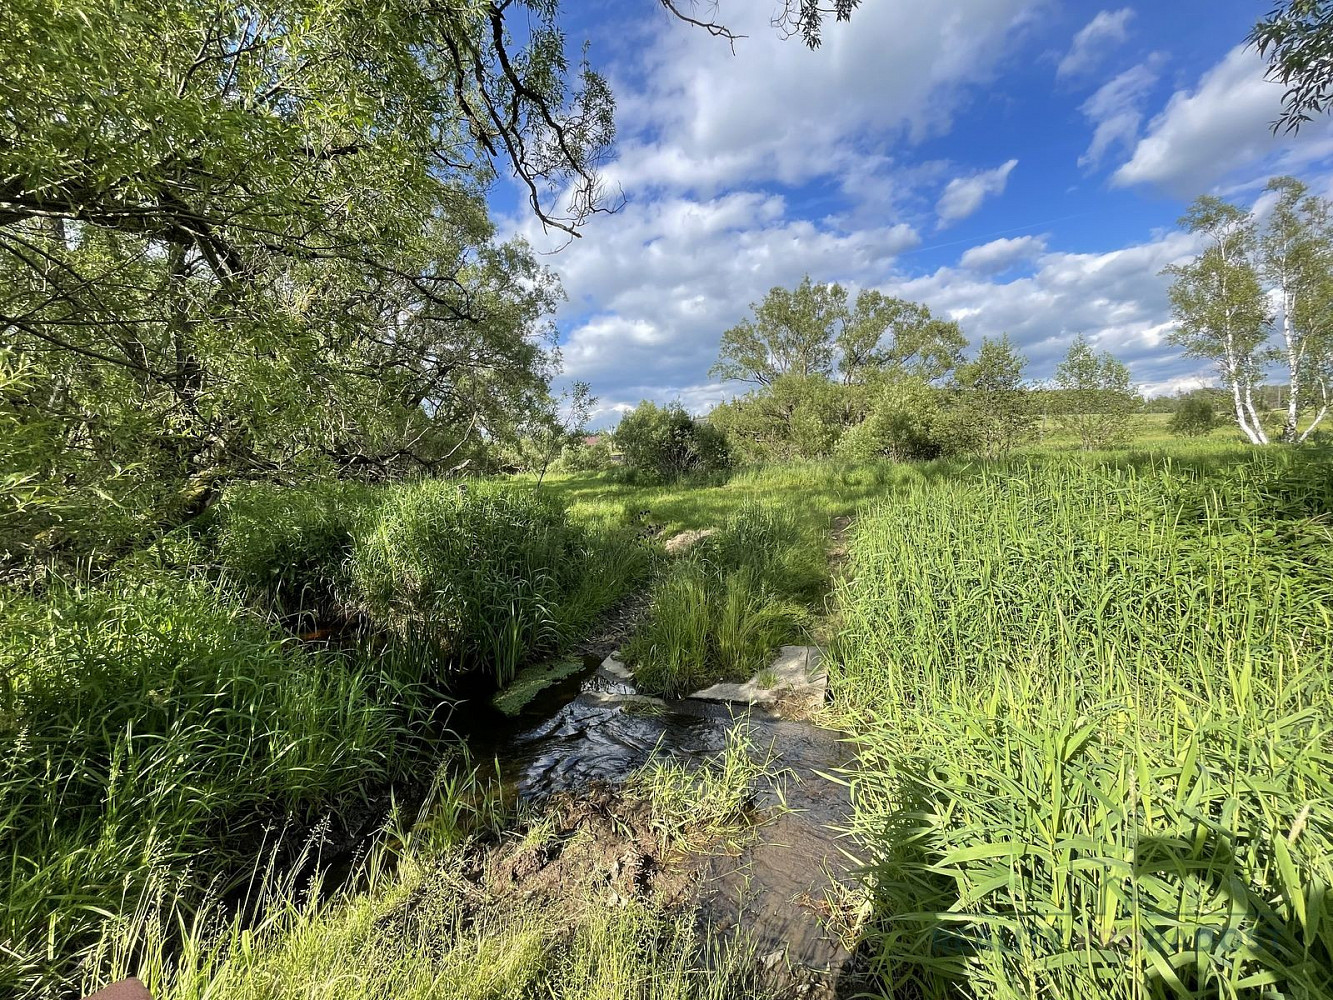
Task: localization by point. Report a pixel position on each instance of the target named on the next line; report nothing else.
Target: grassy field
(1090, 695)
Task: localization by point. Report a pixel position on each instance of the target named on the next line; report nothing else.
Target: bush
(900, 425)
(1195, 416)
(665, 443)
(477, 570)
(583, 457)
(149, 733)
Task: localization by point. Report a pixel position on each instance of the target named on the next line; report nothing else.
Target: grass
(1092, 706)
(153, 734)
(419, 929)
(711, 800)
(162, 731)
(721, 612)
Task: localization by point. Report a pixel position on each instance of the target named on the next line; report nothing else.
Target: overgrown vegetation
(720, 612)
(154, 735)
(1093, 723)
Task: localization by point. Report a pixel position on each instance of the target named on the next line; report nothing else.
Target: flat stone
(796, 676)
(612, 677)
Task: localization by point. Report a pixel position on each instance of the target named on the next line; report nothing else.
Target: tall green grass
(1096, 736)
(154, 734)
(719, 613)
(475, 575)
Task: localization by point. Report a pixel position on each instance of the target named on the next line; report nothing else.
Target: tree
(793, 418)
(1296, 253)
(800, 332)
(1096, 400)
(559, 420)
(991, 412)
(244, 242)
(665, 442)
(1195, 416)
(880, 333)
(1297, 40)
(1219, 305)
(791, 333)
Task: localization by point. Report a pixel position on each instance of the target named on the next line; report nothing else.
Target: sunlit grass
(1093, 713)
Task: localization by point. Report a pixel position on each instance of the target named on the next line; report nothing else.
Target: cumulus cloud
(696, 117)
(1097, 37)
(1115, 110)
(964, 195)
(1218, 129)
(1118, 300)
(999, 256)
(651, 289)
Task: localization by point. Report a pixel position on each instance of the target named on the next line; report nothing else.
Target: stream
(593, 728)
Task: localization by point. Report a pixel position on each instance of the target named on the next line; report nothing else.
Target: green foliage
(990, 411)
(235, 242)
(1093, 715)
(664, 443)
(720, 613)
(475, 570)
(291, 546)
(795, 417)
(1195, 416)
(901, 424)
(149, 732)
(1096, 398)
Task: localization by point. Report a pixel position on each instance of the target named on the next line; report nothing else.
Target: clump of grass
(290, 546)
(717, 615)
(1093, 713)
(150, 733)
(420, 932)
(489, 573)
(712, 799)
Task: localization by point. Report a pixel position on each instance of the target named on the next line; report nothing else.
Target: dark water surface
(590, 728)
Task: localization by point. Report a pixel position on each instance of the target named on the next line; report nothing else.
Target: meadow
(1089, 694)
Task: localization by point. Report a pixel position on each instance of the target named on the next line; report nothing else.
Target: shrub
(665, 443)
(900, 424)
(1195, 416)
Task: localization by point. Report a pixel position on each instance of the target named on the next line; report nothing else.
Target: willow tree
(238, 239)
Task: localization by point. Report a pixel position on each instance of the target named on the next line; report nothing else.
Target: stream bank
(781, 886)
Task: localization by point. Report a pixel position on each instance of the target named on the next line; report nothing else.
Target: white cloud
(1220, 128)
(1118, 300)
(964, 195)
(1115, 110)
(1107, 29)
(701, 117)
(999, 256)
(652, 287)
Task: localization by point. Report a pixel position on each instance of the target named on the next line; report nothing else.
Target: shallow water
(588, 728)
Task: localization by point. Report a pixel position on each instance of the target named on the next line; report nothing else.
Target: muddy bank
(781, 886)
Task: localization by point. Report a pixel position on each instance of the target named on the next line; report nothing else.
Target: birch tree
(1296, 253)
(1219, 305)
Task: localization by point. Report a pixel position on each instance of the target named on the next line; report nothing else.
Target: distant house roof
(592, 440)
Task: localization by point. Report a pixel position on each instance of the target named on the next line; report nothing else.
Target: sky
(1016, 165)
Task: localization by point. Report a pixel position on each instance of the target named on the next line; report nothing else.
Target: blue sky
(1016, 165)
